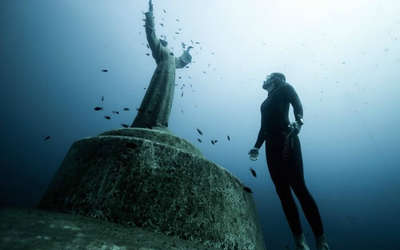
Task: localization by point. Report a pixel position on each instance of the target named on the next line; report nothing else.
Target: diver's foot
(302, 247)
(300, 242)
(322, 243)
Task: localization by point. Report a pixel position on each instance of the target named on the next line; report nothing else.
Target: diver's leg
(279, 178)
(291, 212)
(299, 187)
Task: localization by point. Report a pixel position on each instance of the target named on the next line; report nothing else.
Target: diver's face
(269, 83)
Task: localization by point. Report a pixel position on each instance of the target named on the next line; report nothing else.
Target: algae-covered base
(42, 230)
(158, 182)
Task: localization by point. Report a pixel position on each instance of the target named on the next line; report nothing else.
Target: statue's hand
(186, 57)
(150, 6)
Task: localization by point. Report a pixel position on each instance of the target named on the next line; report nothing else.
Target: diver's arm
(297, 106)
(253, 153)
(297, 110)
(260, 139)
(261, 135)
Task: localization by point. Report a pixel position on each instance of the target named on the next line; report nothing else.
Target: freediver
(284, 159)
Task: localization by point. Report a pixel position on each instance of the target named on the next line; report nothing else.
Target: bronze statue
(157, 102)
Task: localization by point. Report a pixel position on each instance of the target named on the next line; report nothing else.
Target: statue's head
(273, 80)
(163, 42)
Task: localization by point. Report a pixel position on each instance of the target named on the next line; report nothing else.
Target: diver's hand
(296, 127)
(253, 154)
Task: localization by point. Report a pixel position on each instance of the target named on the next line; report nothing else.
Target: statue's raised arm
(157, 102)
(152, 39)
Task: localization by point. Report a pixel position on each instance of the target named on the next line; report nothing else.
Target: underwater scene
(213, 124)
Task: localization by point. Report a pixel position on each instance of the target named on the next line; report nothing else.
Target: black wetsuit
(286, 172)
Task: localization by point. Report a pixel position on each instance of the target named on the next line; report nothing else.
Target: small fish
(126, 109)
(229, 138)
(104, 70)
(199, 131)
(162, 24)
(197, 43)
(147, 54)
(115, 112)
(180, 77)
(215, 141)
(98, 108)
(212, 142)
(177, 20)
(164, 11)
(247, 189)
(107, 117)
(102, 99)
(199, 140)
(177, 33)
(253, 172)
(182, 94)
(46, 138)
(124, 125)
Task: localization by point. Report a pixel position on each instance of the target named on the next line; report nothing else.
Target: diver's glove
(253, 154)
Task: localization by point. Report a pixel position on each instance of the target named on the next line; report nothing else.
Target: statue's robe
(157, 102)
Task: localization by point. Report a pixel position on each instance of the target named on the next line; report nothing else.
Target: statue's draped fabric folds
(157, 102)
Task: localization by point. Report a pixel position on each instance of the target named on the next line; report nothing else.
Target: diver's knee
(300, 189)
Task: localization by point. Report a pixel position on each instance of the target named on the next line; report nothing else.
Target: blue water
(343, 59)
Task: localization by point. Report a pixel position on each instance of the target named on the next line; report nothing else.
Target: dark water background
(342, 57)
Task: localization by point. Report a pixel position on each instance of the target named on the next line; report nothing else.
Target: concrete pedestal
(159, 182)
